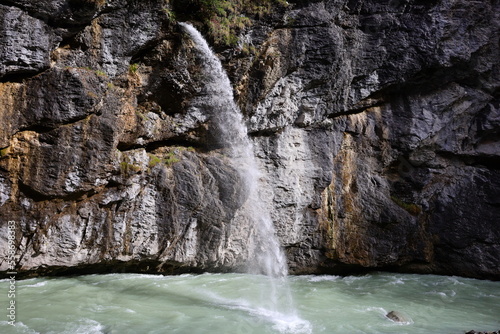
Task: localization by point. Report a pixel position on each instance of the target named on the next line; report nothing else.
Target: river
(239, 303)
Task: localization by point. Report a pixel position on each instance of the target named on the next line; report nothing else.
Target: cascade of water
(266, 254)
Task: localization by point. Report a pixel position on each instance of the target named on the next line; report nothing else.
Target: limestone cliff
(376, 124)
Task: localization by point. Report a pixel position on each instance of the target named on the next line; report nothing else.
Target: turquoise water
(239, 303)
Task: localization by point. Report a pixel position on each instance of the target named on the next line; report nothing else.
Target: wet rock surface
(376, 125)
(397, 317)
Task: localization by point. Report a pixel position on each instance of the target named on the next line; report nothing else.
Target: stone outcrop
(397, 317)
(376, 125)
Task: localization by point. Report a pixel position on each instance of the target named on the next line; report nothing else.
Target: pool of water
(239, 303)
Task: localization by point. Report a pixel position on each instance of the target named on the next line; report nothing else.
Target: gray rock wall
(376, 124)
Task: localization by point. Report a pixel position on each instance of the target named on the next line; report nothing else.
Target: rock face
(376, 125)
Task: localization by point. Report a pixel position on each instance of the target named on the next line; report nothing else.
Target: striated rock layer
(376, 125)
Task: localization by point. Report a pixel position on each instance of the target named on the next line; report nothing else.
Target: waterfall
(266, 255)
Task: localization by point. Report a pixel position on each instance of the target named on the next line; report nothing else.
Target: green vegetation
(4, 151)
(153, 160)
(247, 49)
(101, 73)
(127, 168)
(184, 148)
(224, 19)
(412, 208)
(141, 116)
(170, 14)
(133, 68)
(169, 160)
(223, 28)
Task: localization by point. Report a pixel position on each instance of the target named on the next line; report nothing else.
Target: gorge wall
(376, 125)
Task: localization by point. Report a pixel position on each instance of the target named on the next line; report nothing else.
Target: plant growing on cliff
(133, 68)
(224, 19)
(4, 151)
(412, 208)
(101, 73)
(141, 115)
(248, 49)
(153, 160)
(169, 160)
(127, 168)
(170, 14)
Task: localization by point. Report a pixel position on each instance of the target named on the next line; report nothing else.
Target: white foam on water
(397, 280)
(284, 323)
(447, 295)
(98, 279)
(20, 327)
(36, 285)
(85, 326)
(186, 275)
(402, 323)
(287, 323)
(380, 310)
(104, 308)
(351, 279)
(455, 280)
(486, 295)
(322, 278)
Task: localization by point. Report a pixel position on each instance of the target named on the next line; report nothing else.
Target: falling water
(231, 132)
(265, 254)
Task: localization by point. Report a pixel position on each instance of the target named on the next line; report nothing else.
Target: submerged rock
(398, 317)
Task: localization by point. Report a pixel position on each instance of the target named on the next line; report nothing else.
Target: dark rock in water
(474, 332)
(397, 317)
